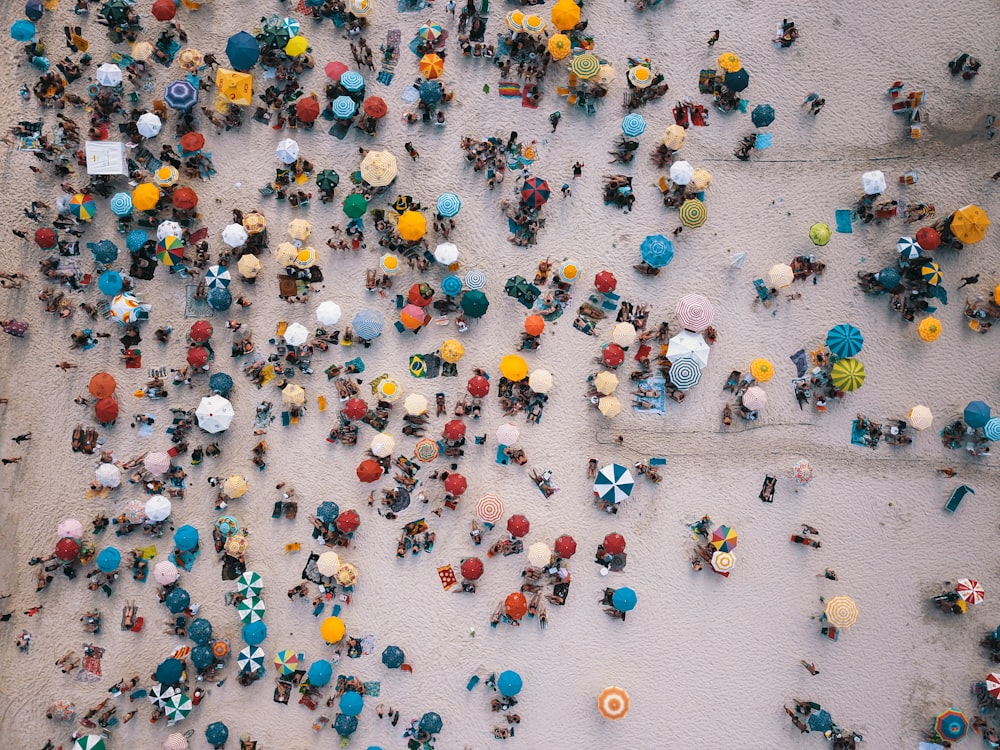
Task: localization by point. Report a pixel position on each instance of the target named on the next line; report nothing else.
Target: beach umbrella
(168, 673)
(761, 370)
(178, 707)
(67, 549)
(180, 95)
(22, 30)
(474, 303)
(217, 276)
(200, 631)
(431, 66)
(455, 485)
(105, 252)
(186, 538)
(332, 629)
(135, 239)
(165, 573)
(299, 229)
(993, 684)
(472, 570)
(328, 179)
(509, 683)
(220, 299)
(819, 234)
(516, 605)
(106, 410)
(344, 107)
(135, 511)
(606, 382)
(286, 662)
(227, 525)
(352, 81)
(693, 213)
(70, 528)
(612, 355)
(164, 10)
(724, 538)
(454, 429)
(585, 66)
(489, 509)
(235, 486)
(148, 125)
(254, 634)
(190, 60)
(355, 205)
(216, 733)
(754, 398)
(540, 381)
(109, 560)
(243, 51)
(820, 720)
(560, 46)
(723, 562)
(517, 525)
(90, 742)
(908, 248)
(430, 32)
(624, 599)
(475, 279)
(382, 445)
(569, 271)
(390, 264)
(970, 591)
(803, 472)
(296, 334)
(889, 278)
(170, 250)
(215, 414)
(166, 176)
(928, 238)
(355, 408)
(251, 658)
(220, 383)
(478, 386)
(535, 192)
(841, 611)
(45, 237)
(844, 340)
(513, 367)
(448, 205)
(305, 258)
(378, 168)
(108, 475)
(700, 179)
(347, 574)
(684, 374)
(184, 198)
(674, 137)
(534, 324)
(657, 251)
(287, 151)
(931, 273)
(507, 434)
(847, 374)
(921, 417)
(307, 109)
(426, 450)
(351, 703)
(951, 725)
(145, 197)
(873, 182)
(633, 124)
(729, 62)
(250, 584)
(83, 206)
(327, 511)
(369, 470)
(319, 673)
(609, 406)
(165, 228)
(613, 703)
(120, 204)
(359, 8)
(345, 725)
(605, 282)
(613, 483)
(367, 325)
(681, 172)
(929, 328)
(565, 547)
(411, 226)
(539, 554)
(34, 10)
(102, 385)
(251, 609)
(991, 430)
(779, 275)
(565, 15)
(976, 414)
(969, 224)
(177, 601)
(762, 115)
(640, 77)
(694, 312)
(533, 25)
(736, 80)
(415, 404)
(328, 313)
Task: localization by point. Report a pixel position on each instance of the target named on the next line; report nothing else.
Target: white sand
(702, 657)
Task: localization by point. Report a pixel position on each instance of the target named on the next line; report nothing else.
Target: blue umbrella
(220, 299)
(431, 92)
(22, 30)
(844, 340)
(200, 631)
(220, 383)
(121, 204)
(178, 600)
(327, 511)
(345, 725)
(254, 633)
(110, 283)
(169, 672)
(820, 721)
(431, 723)
(352, 81)
(393, 657)
(977, 414)
(448, 205)
(216, 733)
(367, 325)
(657, 250)
(33, 9)
(623, 599)
(135, 239)
(633, 125)
(344, 107)
(737, 80)
(320, 673)
(762, 115)
(889, 278)
(991, 430)
(186, 538)
(105, 251)
(109, 560)
(243, 51)
(509, 683)
(451, 285)
(202, 657)
(351, 703)
(684, 374)
(180, 95)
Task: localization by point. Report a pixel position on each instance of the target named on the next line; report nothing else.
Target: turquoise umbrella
(844, 340)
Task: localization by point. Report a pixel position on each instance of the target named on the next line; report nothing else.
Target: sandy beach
(703, 657)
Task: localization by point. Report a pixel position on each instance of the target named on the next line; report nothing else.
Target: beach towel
(526, 98)
(799, 360)
(844, 218)
(447, 575)
(372, 688)
(658, 404)
(509, 88)
(193, 307)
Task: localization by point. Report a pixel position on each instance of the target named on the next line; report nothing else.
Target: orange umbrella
(516, 605)
(534, 325)
(106, 410)
(613, 703)
(102, 385)
(411, 226)
(307, 109)
(412, 316)
(192, 141)
(432, 66)
(185, 198)
(369, 470)
(375, 107)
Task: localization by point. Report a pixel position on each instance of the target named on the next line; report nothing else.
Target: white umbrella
(234, 235)
(108, 475)
(415, 403)
(148, 125)
(296, 334)
(157, 462)
(623, 334)
(165, 572)
(328, 313)
(382, 445)
(157, 508)
(287, 151)
(169, 229)
(214, 413)
(507, 434)
(109, 74)
(688, 345)
(873, 182)
(539, 554)
(446, 253)
(328, 563)
(681, 172)
(540, 381)
(921, 417)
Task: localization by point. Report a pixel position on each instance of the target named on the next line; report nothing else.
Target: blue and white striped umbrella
(352, 80)
(217, 276)
(344, 107)
(448, 204)
(291, 26)
(251, 659)
(908, 248)
(633, 125)
(475, 279)
(684, 374)
(614, 483)
(180, 95)
(367, 325)
(121, 204)
(991, 430)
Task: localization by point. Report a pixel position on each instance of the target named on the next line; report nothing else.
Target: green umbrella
(90, 742)
(474, 303)
(251, 610)
(819, 234)
(327, 180)
(178, 707)
(355, 205)
(250, 584)
(115, 11)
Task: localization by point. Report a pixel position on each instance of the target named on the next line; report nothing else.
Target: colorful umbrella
(251, 609)
(657, 251)
(613, 703)
(535, 192)
(430, 32)
(908, 248)
(170, 250)
(803, 472)
(177, 708)
(614, 483)
(970, 591)
(180, 95)
(83, 206)
(841, 611)
(847, 374)
(286, 662)
(694, 312)
(90, 741)
(426, 450)
(217, 276)
(431, 66)
(585, 66)
(367, 325)
(993, 684)
(724, 538)
(951, 725)
(633, 124)
(560, 46)
(932, 273)
(693, 213)
(844, 340)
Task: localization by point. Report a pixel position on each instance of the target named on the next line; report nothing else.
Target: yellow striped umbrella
(693, 213)
(848, 374)
(841, 611)
(585, 66)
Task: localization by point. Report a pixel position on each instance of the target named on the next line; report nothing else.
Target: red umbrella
(605, 282)
(518, 525)
(335, 70)
(164, 10)
(355, 408)
(45, 237)
(454, 430)
(369, 470)
(102, 385)
(534, 325)
(106, 410)
(185, 198)
(307, 109)
(516, 605)
(472, 568)
(613, 355)
(455, 484)
(375, 107)
(348, 521)
(197, 356)
(565, 546)
(420, 294)
(614, 543)
(928, 238)
(200, 332)
(478, 386)
(192, 141)
(67, 549)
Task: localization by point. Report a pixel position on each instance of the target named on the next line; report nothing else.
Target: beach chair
(956, 497)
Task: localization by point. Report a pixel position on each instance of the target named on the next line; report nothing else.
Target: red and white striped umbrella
(754, 398)
(490, 508)
(970, 591)
(993, 684)
(694, 312)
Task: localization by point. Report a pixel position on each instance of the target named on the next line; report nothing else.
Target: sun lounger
(956, 497)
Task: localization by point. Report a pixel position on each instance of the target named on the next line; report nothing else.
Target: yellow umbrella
(606, 382)
(235, 87)
(332, 629)
(841, 611)
(166, 176)
(299, 229)
(514, 19)
(390, 264)
(729, 62)
(389, 390)
(533, 24)
(929, 328)
(254, 222)
(411, 226)
(286, 254)
(306, 257)
(559, 46)
(431, 66)
(996, 294)
(640, 76)
(700, 179)
(145, 197)
(190, 60)
(347, 575)
(378, 168)
(293, 395)
(236, 486)
(847, 374)
(141, 51)
(452, 351)
(762, 370)
(674, 137)
(248, 266)
(565, 15)
(969, 224)
(609, 406)
(513, 367)
(296, 45)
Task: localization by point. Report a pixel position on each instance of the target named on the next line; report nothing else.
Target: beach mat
(447, 575)
(509, 88)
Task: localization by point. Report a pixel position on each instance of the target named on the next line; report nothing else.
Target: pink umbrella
(754, 398)
(157, 462)
(694, 312)
(335, 70)
(71, 528)
(165, 573)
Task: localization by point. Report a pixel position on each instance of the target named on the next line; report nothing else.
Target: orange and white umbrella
(613, 703)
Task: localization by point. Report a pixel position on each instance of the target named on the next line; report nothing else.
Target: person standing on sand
(967, 280)
(714, 38)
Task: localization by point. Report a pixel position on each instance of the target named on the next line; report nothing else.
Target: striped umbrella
(970, 591)
(359, 8)
(180, 95)
(378, 168)
(535, 192)
(694, 312)
(693, 213)
(352, 81)
(723, 562)
(613, 703)
(170, 250)
(951, 724)
(534, 25)
(848, 374)
(426, 450)
(779, 275)
(90, 742)
(684, 374)
(251, 658)
(217, 276)
(614, 483)
(431, 66)
(166, 176)
(908, 248)
(633, 125)
(121, 204)
(932, 273)
(841, 611)
(585, 66)
(177, 708)
(286, 662)
(367, 325)
(640, 76)
(489, 508)
(475, 280)
(389, 263)
(430, 32)
(344, 107)
(250, 584)
(991, 430)
(844, 340)
(251, 609)
(724, 538)
(993, 684)
(448, 205)
(657, 250)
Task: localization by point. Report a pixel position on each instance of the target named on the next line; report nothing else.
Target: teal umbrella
(474, 303)
(844, 340)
